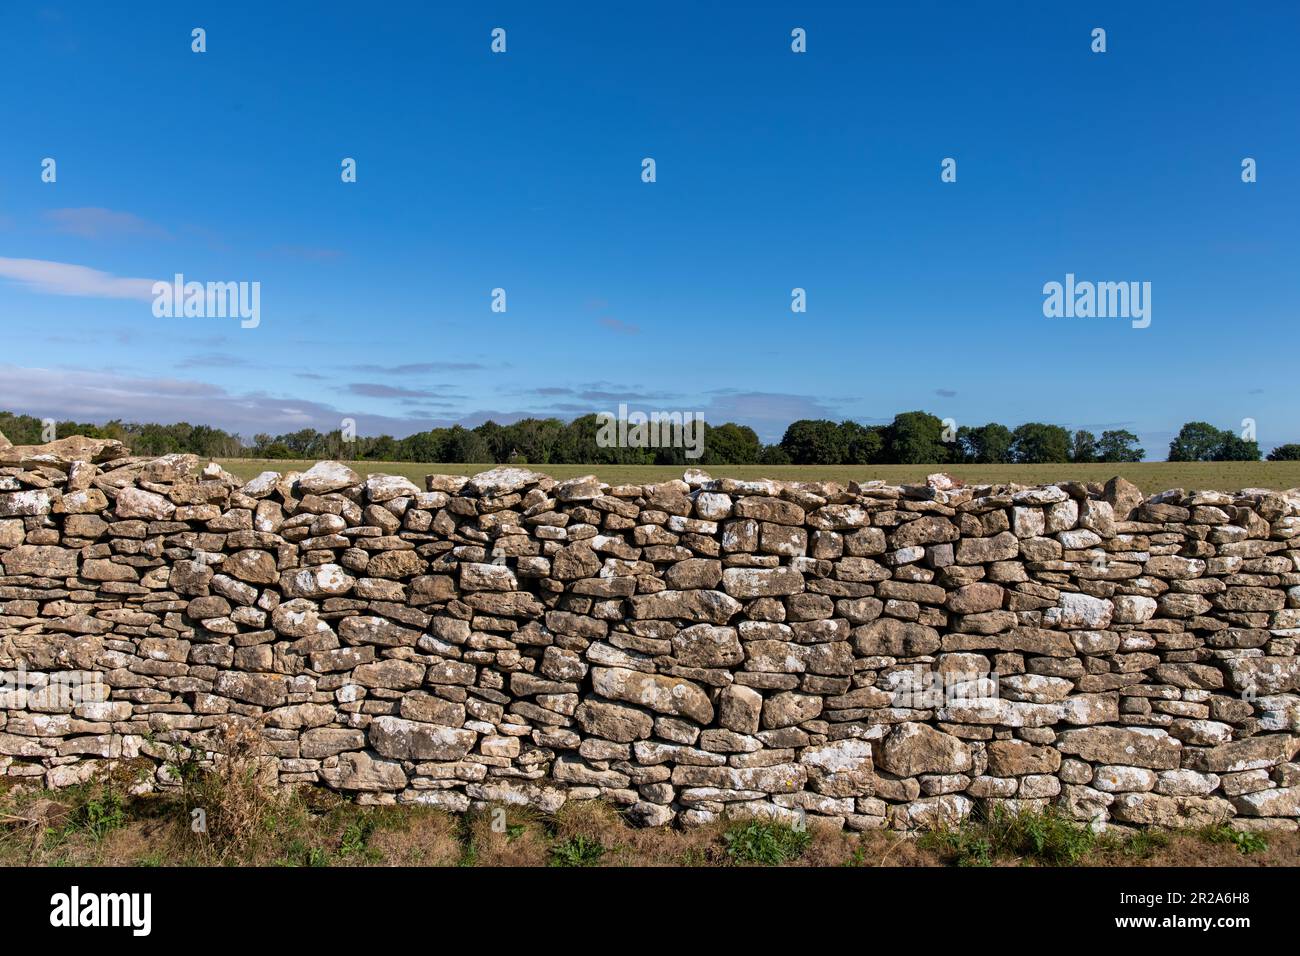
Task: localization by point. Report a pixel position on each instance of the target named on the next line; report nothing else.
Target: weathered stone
(1133, 609)
(62, 452)
(613, 721)
(501, 481)
(840, 769)
(41, 560)
(740, 709)
(1110, 779)
(1263, 675)
(1252, 753)
(660, 693)
(789, 708)
(710, 607)
(1279, 802)
(396, 565)
(321, 742)
(1014, 758)
(301, 716)
(1001, 547)
(769, 509)
(1090, 709)
(924, 530)
(324, 580)
(975, 598)
(913, 748)
(264, 690)
(1153, 809)
(39, 501)
(489, 577)
(894, 638)
(391, 674)
(381, 488)
(367, 629)
(1186, 783)
(693, 573)
(255, 567)
(1079, 611)
(1137, 746)
(360, 771)
(408, 740)
(326, 476)
(756, 582)
(932, 813)
(138, 503)
(707, 645)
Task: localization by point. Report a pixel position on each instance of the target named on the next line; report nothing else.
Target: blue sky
(774, 171)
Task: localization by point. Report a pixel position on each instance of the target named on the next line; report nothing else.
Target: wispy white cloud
(96, 222)
(768, 413)
(64, 278)
(309, 253)
(89, 395)
(418, 368)
(618, 325)
(378, 390)
(214, 360)
(84, 394)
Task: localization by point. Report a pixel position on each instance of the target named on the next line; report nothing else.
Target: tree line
(911, 438)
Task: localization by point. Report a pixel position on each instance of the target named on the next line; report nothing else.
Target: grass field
(1149, 476)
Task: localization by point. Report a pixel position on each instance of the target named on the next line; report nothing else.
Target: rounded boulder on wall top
(327, 476)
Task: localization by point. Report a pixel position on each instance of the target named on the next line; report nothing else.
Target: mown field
(1149, 476)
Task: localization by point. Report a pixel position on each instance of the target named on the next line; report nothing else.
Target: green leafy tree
(1084, 448)
(916, 438)
(21, 429)
(579, 446)
(424, 446)
(154, 439)
(1036, 443)
(1119, 445)
(536, 439)
(986, 445)
(862, 445)
(495, 439)
(731, 444)
(304, 443)
(1236, 448)
(1197, 441)
(774, 455)
(380, 448)
(814, 442)
(1288, 452)
(464, 445)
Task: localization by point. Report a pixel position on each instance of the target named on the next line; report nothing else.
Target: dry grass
(96, 825)
(403, 836)
(1149, 476)
(504, 836)
(237, 799)
(1192, 849)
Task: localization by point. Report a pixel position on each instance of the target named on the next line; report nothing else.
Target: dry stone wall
(872, 655)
